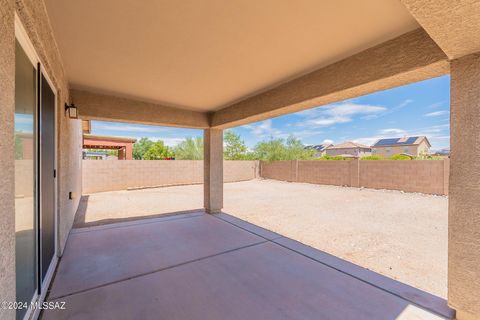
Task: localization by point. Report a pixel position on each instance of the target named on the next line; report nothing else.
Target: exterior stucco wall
(34, 17)
(7, 151)
(414, 150)
(464, 204)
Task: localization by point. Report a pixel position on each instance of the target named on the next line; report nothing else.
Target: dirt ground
(401, 235)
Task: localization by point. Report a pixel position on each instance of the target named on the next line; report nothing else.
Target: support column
(464, 190)
(121, 153)
(213, 170)
(129, 152)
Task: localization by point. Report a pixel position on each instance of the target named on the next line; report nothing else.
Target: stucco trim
(96, 106)
(453, 25)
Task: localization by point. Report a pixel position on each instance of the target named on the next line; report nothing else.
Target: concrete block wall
(425, 176)
(324, 172)
(99, 176)
(278, 170)
(411, 176)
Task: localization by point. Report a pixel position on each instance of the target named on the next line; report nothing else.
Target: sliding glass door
(25, 178)
(35, 188)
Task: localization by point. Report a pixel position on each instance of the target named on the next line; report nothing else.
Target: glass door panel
(47, 182)
(25, 173)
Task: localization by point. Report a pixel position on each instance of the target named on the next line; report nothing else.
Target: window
(388, 150)
(406, 149)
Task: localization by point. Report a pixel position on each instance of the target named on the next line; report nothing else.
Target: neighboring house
(349, 149)
(414, 146)
(319, 149)
(124, 146)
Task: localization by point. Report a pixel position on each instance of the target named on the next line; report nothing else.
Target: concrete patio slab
(203, 267)
(105, 254)
(263, 281)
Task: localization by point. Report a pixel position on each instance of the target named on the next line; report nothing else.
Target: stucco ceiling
(206, 54)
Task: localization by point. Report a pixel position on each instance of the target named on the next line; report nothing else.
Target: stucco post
(213, 170)
(7, 159)
(129, 151)
(464, 190)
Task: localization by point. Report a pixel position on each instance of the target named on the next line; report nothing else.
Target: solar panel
(394, 141)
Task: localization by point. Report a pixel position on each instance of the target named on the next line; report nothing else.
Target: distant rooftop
(349, 145)
(110, 138)
(318, 147)
(400, 141)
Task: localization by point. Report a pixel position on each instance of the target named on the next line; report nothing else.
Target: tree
(271, 150)
(296, 150)
(277, 149)
(234, 147)
(189, 149)
(141, 147)
(157, 151)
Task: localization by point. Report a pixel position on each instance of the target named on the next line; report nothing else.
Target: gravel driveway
(401, 235)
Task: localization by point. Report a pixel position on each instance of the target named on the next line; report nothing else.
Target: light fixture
(72, 111)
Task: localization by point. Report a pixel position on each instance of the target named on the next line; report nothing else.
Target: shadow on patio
(200, 266)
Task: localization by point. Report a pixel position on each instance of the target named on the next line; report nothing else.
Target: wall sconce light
(72, 111)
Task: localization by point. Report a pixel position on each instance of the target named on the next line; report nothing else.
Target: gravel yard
(401, 235)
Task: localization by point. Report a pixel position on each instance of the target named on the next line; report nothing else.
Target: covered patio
(214, 65)
(201, 266)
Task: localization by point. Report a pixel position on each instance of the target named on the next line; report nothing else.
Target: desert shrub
(400, 157)
(371, 158)
(328, 157)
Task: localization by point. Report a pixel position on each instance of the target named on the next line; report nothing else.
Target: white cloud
(435, 105)
(403, 104)
(128, 128)
(337, 113)
(392, 131)
(437, 113)
(265, 129)
(327, 141)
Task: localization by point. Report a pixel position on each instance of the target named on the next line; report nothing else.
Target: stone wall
(112, 175)
(425, 176)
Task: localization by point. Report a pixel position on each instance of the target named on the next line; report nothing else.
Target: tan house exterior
(413, 146)
(206, 65)
(349, 149)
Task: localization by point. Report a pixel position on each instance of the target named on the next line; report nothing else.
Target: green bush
(371, 158)
(328, 157)
(400, 157)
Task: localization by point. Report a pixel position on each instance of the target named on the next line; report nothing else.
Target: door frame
(22, 37)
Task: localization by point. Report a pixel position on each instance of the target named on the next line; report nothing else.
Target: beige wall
(425, 176)
(7, 151)
(415, 150)
(464, 204)
(101, 175)
(34, 18)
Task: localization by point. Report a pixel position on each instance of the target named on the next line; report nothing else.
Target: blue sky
(420, 108)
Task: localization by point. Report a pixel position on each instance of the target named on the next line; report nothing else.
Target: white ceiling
(206, 54)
